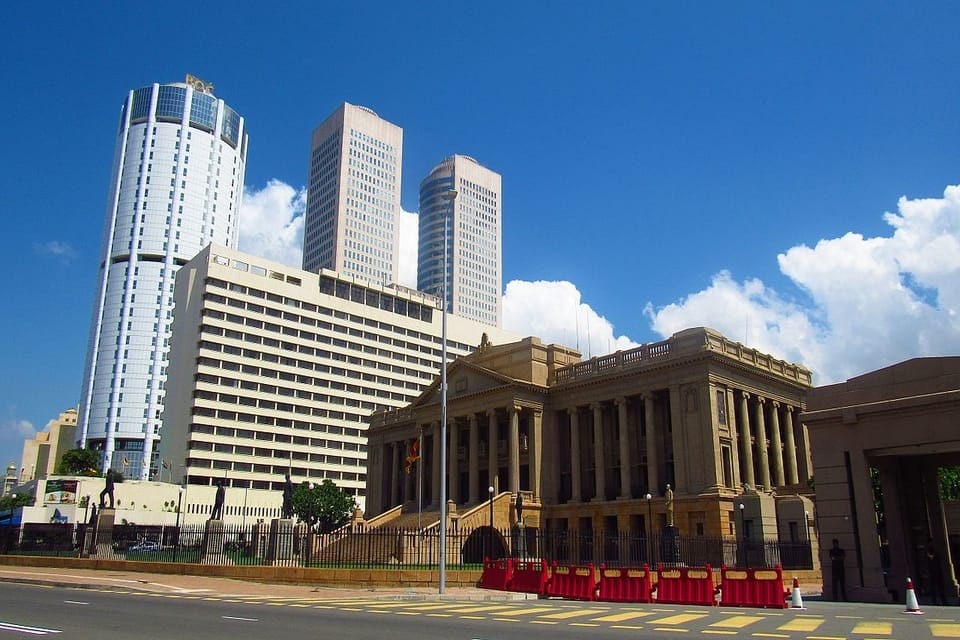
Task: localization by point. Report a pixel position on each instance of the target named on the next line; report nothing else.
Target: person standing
(838, 559)
(935, 573)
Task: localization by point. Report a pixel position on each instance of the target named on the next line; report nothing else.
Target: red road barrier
(529, 576)
(625, 585)
(752, 588)
(685, 585)
(496, 574)
(571, 582)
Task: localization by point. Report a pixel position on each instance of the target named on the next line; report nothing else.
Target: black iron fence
(274, 544)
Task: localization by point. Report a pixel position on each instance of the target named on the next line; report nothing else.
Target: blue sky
(779, 171)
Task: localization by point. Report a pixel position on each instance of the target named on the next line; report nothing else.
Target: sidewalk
(201, 585)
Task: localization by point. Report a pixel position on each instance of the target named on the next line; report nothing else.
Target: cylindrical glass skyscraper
(176, 186)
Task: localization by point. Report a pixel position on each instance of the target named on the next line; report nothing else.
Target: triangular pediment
(464, 379)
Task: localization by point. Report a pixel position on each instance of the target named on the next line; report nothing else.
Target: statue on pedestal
(217, 513)
(107, 490)
(286, 511)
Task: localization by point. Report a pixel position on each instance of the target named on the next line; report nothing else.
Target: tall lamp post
(451, 198)
(743, 534)
(490, 530)
(649, 529)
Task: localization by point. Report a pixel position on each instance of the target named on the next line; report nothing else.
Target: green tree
(323, 507)
(79, 462)
(949, 480)
(16, 500)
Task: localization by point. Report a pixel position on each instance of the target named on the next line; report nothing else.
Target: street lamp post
(743, 534)
(179, 504)
(451, 197)
(649, 529)
(806, 520)
(490, 529)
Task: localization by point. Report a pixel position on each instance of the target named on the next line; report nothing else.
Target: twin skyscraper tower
(176, 187)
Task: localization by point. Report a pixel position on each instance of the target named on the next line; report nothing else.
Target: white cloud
(871, 301)
(554, 312)
(56, 248)
(409, 248)
(271, 222)
(16, 428)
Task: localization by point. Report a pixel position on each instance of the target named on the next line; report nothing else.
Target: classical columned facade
(595, 443)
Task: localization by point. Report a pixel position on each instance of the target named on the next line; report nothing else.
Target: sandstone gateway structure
(593, 444)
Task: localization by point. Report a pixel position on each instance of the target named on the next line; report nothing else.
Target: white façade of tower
(474, 263)
(175, 188)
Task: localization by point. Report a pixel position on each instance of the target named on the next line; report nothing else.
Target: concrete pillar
(396, 473)
(435, 470)
(763, 457)
(453, 462)
(625, 489)
(745, 438)
(575, 455)
(775, 444)
(653, 458)
(535, 452)
(598, 457)
(473, 456)
(513, 446)
(792, 477)
(492, 448)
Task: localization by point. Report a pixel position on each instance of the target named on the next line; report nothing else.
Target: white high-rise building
(176, 186)
(276, 370)
(474, 265)
(353, 199)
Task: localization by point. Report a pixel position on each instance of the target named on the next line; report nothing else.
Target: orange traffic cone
(912, 605)
(796, 600)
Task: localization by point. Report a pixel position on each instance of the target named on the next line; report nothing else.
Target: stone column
(396, 455)
(513, 446)
(775, 444)
(764, 459)
(574, 455)
(652, 454)
(736, 435)
(598, 458)
(746, 448)
(453, 460)
(435, 471)
(535, 452)
(492, 448)
(473, 456)
(626, 491)
(792, 477)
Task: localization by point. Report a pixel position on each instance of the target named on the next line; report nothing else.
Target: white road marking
(240, 619)
(36, 631)
(74, 602)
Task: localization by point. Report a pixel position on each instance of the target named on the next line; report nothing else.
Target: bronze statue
(107, 490)
(519, 507)
(217, 513)
(286, 510)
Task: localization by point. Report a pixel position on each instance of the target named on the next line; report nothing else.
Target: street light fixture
(451, 196)
(649, 529)
(490, 529)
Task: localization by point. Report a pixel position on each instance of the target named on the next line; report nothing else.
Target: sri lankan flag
(413, 457)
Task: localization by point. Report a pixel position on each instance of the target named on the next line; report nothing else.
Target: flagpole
(419, 480)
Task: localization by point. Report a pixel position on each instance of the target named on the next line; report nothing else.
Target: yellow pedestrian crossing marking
(801, 624)
(680, 618)
(622, 617)
(523, 612)
(940, 630)
(575, 613)
(873, 628)
(479, 608)
(736, 622)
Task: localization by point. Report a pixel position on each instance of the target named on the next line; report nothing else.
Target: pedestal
(213, 543)
(520, 540)
(280, 541)
(101, 539)
(670, 546)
